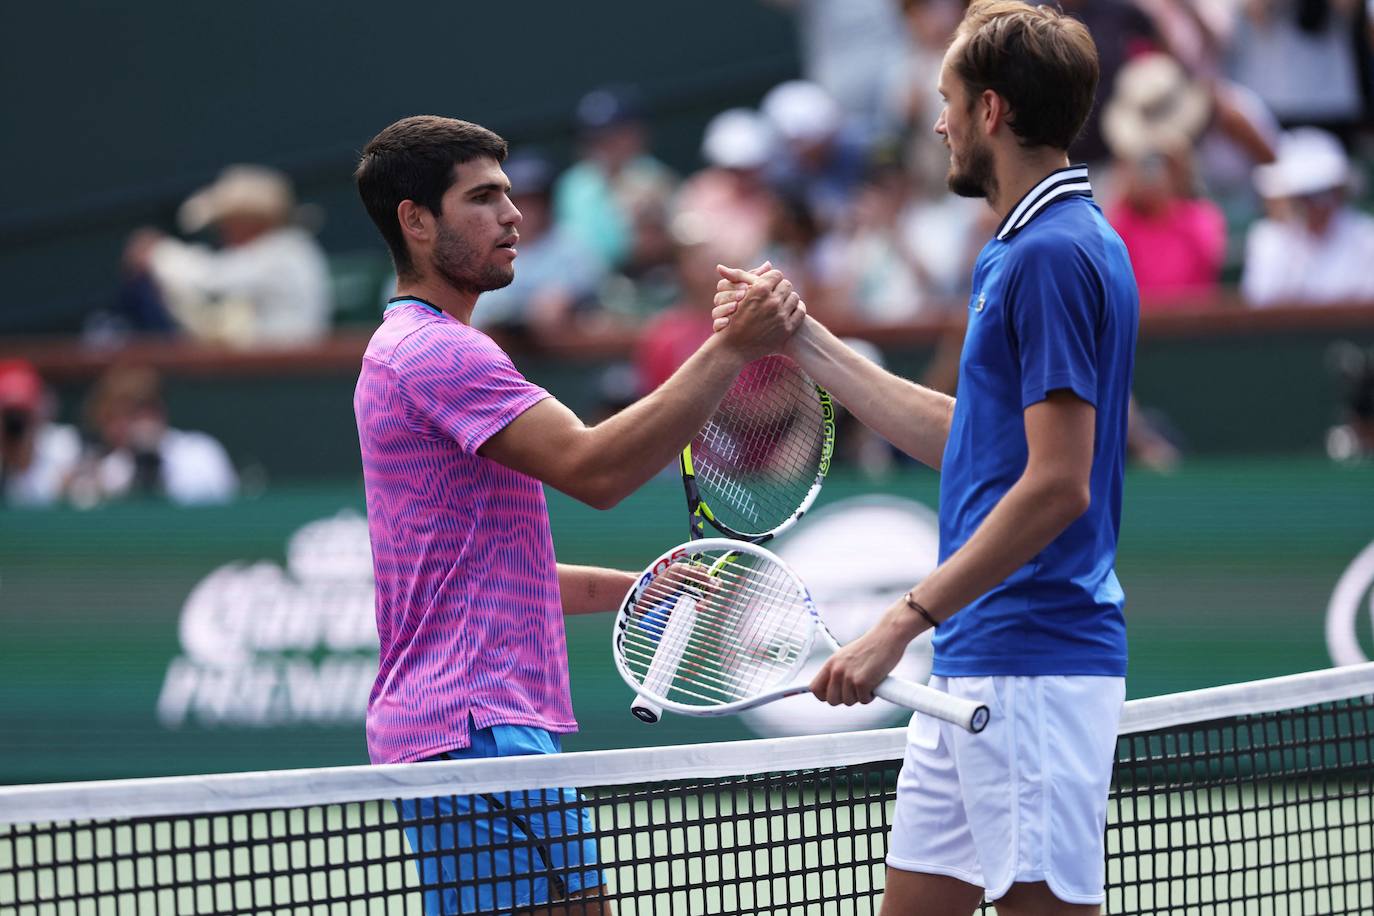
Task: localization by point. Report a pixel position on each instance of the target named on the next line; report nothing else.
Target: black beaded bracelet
(915, 606)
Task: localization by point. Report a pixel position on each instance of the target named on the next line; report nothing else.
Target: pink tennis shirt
(468, 611)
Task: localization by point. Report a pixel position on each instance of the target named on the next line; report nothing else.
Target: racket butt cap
(980, 720)
(646, 711)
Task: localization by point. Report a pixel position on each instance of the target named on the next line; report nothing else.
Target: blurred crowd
(1227, 147)
(123, 448)
(1225, 132)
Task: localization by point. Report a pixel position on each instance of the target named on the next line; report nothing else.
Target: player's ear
(995, 111)
(416, 222)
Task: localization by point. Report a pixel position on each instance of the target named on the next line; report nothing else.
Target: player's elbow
(603, 498)
(1070, 498)
(600, 490)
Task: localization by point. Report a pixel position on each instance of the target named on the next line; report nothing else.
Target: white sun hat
(1309, 161)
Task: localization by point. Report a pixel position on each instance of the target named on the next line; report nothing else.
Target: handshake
(756, 311)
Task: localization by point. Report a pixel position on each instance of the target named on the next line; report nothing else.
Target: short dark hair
(414, 159)
(1043, 62)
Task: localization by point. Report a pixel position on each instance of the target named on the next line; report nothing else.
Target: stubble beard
(977, 178)
(457, 263)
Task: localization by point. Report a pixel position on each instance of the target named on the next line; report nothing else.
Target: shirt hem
(1080, 388)
(453, 744)
(1112, 666)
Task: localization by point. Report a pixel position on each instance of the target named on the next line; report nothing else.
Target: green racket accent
(758, 464)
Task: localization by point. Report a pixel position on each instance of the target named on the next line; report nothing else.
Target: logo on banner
(265, 645)
(1354, 592)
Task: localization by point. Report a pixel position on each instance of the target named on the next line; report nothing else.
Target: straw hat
(240, 190)
(1155, 107)
(1309, 161)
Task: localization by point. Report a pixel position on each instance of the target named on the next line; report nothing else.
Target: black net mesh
(1265, 813)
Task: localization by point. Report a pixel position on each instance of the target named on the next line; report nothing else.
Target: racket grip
(646, 711)
(966, 714)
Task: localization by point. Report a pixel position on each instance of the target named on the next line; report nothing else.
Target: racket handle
(964, 713)
(646, 711)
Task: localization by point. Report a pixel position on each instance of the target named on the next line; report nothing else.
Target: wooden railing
(68, 359)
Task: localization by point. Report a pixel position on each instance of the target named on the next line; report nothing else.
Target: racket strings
(748, 630)
(757, 636)
(720, 661)
(760, 453)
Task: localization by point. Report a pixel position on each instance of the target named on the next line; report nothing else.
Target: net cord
(126, 798)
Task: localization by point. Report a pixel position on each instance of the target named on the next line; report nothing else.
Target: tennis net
(1253, 798)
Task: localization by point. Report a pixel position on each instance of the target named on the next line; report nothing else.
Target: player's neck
(1018, 172)
(441, 294)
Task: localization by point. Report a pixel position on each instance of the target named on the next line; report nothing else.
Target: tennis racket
(718, 626)
(758, 464)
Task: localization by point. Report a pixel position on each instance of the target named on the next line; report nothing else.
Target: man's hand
(730, 289)
(849, 676)
(767, 312)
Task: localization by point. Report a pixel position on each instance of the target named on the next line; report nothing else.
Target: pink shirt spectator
(1177, 255)
(468, 610)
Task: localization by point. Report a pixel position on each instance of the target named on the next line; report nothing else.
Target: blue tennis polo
(1054, 307)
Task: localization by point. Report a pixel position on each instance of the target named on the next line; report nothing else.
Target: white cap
(801, 111)
(738, 138)
(1309, 161)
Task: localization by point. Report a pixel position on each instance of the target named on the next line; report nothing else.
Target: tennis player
(455, 444)
(1025, 604)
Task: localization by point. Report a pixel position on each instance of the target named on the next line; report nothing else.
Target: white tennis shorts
(1025, 800)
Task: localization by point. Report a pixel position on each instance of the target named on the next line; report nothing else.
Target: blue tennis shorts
(505, 850)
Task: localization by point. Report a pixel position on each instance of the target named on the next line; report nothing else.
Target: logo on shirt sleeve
(982, 301)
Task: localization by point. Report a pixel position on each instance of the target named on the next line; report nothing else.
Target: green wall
(1228, 567)
(116, 111)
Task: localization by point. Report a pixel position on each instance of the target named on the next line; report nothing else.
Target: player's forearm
(592, 589)
(637, 443)
(1034, 512)
(913, 418)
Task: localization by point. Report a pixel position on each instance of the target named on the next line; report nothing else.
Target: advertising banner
(145, 640)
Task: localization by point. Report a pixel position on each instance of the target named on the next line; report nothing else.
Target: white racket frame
(967, 714)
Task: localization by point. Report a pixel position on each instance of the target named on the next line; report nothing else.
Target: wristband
(915, 606)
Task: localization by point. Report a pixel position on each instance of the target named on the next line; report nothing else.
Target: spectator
(851, 49)
(558, 276)
(1353, 439)
(647, 283)
(911, 97)
(817, 156)
(597, 198)
(268, 285)
(730, 195)
(1304, 58)
(136, 453)
(1313, 247)
(796, 246)
(1120, 30)
(665, 342)
(875, 277)
(1176, 238)
(37, 456)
